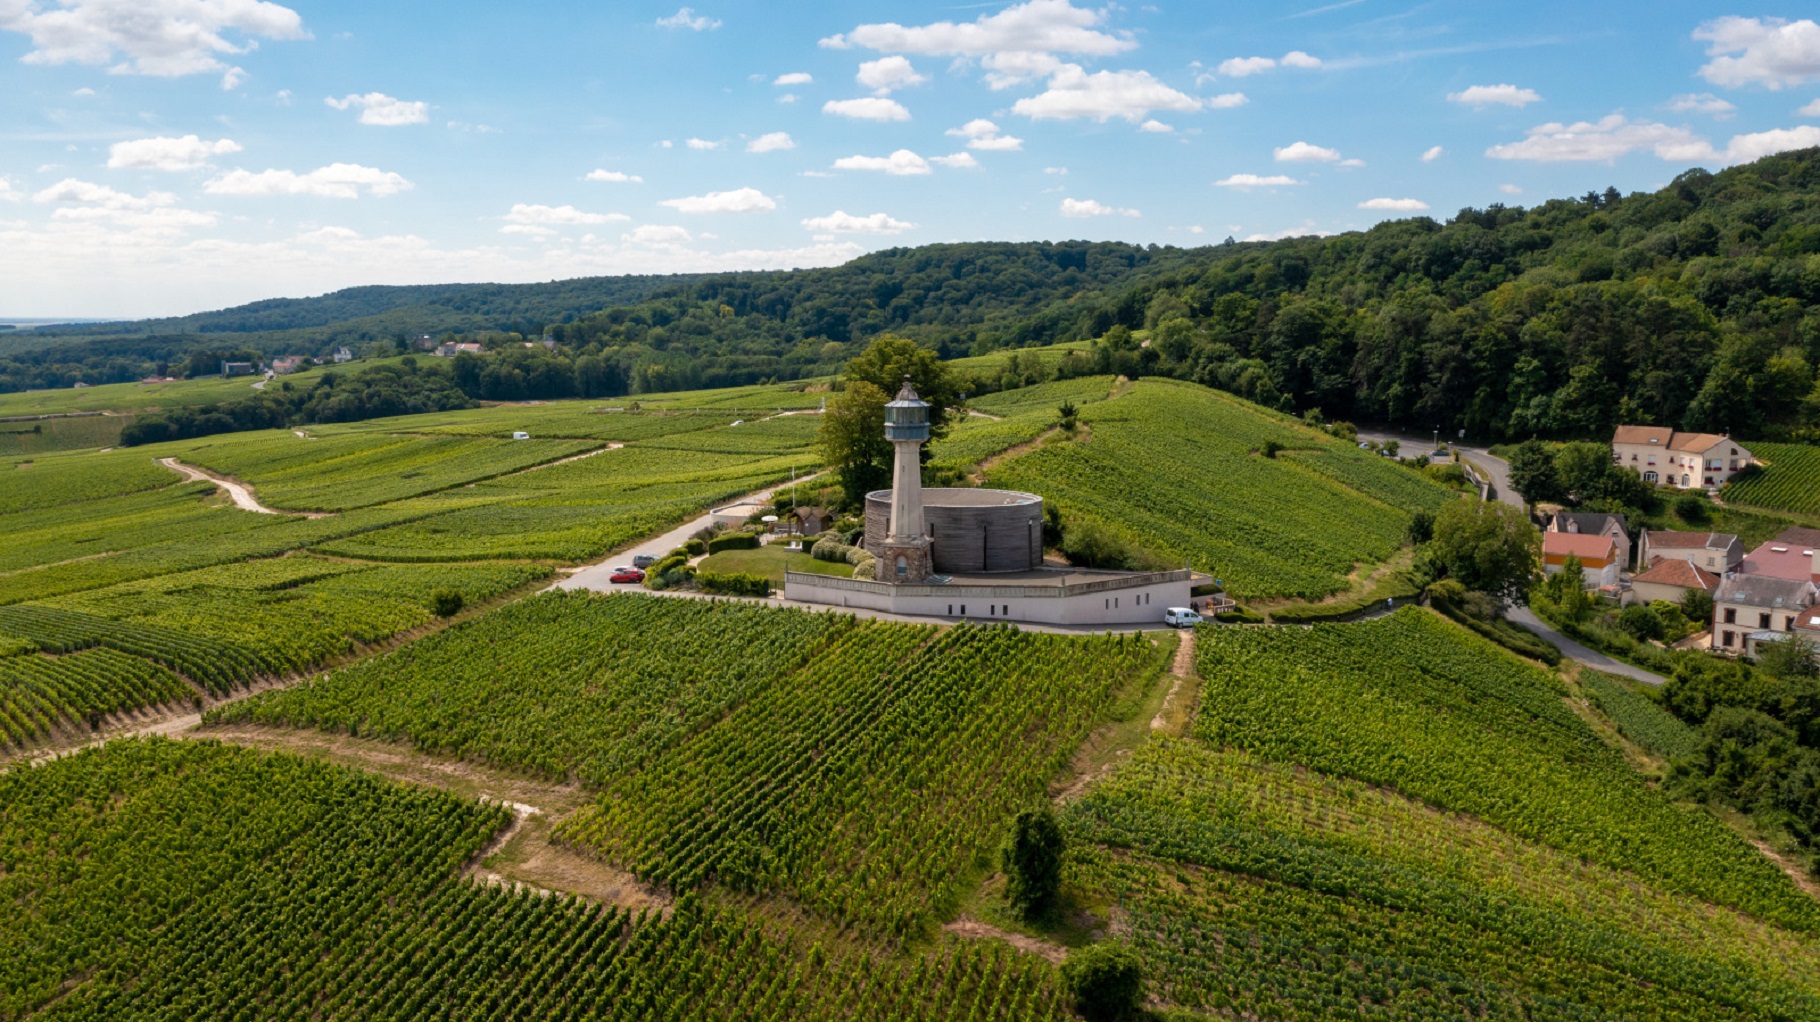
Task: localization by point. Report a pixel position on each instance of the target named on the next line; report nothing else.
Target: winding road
(242, 494)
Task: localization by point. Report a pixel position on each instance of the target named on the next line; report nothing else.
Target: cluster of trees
(1760, 734)
(1580, 473)
(376, 392)
(851, 437)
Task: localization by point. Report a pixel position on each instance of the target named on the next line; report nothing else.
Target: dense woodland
(1697, 306)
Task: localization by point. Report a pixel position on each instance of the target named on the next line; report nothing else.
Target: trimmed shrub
(1032, 860)
(446, 603)
(1106, 981)
(733, 583)
(696, 547)
(733, 541)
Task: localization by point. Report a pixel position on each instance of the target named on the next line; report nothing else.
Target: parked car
(521, 435)
(1181, 617)
(643, 561)
(626, 575)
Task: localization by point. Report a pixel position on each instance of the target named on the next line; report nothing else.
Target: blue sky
(166, 156)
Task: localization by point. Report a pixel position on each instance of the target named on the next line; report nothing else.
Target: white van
(521, 435)
(1181, 617)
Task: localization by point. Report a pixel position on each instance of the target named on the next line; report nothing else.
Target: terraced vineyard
(1789, 482)
(1415, 703)
(1638, 717)
(1395, 819)
(156, 880)
(1176, 469)
(844, 762)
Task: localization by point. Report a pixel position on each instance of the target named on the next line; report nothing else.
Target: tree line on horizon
(1696, 306)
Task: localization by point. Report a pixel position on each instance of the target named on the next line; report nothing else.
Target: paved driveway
(1580, 654)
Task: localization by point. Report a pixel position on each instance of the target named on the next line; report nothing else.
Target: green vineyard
(862, 767)
(1790, 480)
(1415, 703)
(160, 880)
(1177, 470)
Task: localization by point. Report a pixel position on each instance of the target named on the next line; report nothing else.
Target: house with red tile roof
(1682, 460)
(1672, 580)
(1598, 554)
(1795, 555)
(1717, 552)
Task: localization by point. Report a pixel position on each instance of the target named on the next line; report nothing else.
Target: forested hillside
(1697, 306)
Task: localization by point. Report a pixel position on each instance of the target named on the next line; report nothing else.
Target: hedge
(733, 541)
(734, 583)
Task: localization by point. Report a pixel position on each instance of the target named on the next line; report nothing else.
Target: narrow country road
(1580, 654)
(1484, 461)
(242, 494)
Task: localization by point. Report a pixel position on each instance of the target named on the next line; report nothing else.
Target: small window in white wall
(903, 566)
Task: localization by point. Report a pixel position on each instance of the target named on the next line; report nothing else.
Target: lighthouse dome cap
(906, 396)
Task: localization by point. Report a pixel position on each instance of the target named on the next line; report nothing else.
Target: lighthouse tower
(904, 556)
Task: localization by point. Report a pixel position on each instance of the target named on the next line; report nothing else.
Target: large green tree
(889, 358)
(852, 441)
(1533, 473)
(852, 436)
(1489, 547)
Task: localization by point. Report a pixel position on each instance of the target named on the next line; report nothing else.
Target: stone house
(1717, 552)
(1683, 460)
(1749, 610)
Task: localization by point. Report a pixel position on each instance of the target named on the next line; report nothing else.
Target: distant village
(1760, 596)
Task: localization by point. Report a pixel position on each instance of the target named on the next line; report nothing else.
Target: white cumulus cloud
(657, 234)
(1081, 208)
(1810, 110)
(1155, 127)
(1745, 148)
(335, 181)
(888, 73)
(902, 163)
(739, 200)
(1296, 58)
(986, 136)
(547, 216)
(1433, 153)
(841, 222)
(187, 153)
(687, 18)
(1304, 152)
(1226, 101)
(1700, 103)
(956, 161)
(701, 144)
(167, 38)
(1395, 205)
(615, 177)
(1603, 140)
(1038, 26)
(89, 193)
(1257, 181)
(1495, 95)
(775, 141)
(794, 78)
(1771, 52)
(871, 108)
(1103, 95)
(384, 111)
(1245, 67)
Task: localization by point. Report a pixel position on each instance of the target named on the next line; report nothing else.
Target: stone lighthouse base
(905, 563)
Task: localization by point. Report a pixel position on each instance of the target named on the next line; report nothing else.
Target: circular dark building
(972, 532)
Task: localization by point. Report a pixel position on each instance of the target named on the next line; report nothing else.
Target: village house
(1717, 552)
(1795, 555)
(1682, 460)
(450, 349)
(286, 364)
(1672, 580)
(238, 368)
(1594, 524)
(1598, 554)
(343, 355)
(1750, 610)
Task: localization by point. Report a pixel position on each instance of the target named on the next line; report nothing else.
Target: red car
(627, 575)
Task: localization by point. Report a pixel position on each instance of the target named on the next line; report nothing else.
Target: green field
(165, 880)
(772, 561)
(1177, 470)
(44, 436)
(861, 767)
(1415, 703)
(1790, 480)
